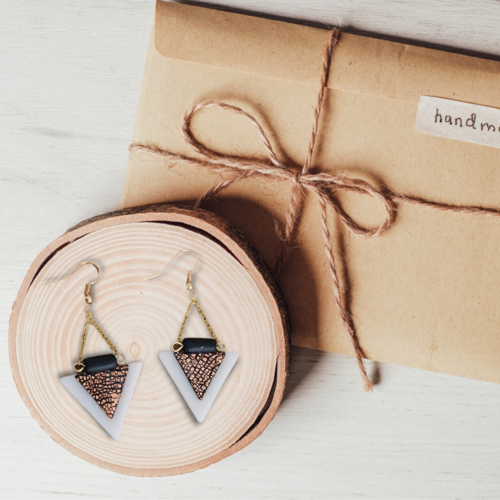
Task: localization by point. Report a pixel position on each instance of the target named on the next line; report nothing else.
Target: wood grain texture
(68, 98)
(237, 292)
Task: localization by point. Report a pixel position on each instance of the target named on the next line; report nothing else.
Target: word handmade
(470, 122)
(459, 120)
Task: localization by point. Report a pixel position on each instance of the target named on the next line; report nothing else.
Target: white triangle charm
(200, 408)
(113, 426)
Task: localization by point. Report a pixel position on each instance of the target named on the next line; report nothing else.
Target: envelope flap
(239, 42)
(294, 52)
(405, 72)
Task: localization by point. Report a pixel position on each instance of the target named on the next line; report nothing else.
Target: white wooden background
(70, 73)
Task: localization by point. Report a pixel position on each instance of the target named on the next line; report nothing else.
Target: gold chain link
(91, 321)
(188, 312)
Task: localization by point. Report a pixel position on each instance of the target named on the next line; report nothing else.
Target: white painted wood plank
(70, 80)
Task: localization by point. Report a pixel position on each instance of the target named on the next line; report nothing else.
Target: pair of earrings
(104, 384)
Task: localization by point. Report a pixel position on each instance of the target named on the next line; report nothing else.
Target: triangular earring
(100, 383)
(198, 366)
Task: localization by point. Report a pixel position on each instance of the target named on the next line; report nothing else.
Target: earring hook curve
(78, 267)
(174, 257)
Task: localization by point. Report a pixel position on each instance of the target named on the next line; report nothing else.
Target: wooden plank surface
(70, 80)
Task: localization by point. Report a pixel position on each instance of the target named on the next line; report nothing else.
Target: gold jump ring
(118, 361)
(81, 367)
(179, 345)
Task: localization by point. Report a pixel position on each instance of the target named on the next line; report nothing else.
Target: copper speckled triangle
(200, 369)
(105, 387)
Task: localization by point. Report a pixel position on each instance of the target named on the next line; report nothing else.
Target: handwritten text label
(459, 120)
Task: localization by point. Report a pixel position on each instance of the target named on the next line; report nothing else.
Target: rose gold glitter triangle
(200, 369)
(105, 387)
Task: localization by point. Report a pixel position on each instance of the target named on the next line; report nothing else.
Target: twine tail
(338, 292)
(211, 192)
(339, 295)
(291, 222)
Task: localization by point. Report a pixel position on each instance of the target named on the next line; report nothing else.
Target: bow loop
(326, 185)
(218, 158)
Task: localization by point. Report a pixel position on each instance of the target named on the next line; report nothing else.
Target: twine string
(321, 185)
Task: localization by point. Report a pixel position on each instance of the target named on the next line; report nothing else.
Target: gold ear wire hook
(79, 366)
(88, 286)
(190, 272)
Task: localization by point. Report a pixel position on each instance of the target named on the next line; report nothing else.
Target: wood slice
(237, 293)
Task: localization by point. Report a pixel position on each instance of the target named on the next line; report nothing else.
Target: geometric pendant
(199, 407)
(112, 426)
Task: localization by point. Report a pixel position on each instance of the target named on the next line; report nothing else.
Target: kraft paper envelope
(426, 294)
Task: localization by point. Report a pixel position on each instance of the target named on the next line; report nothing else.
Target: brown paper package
(427, 293)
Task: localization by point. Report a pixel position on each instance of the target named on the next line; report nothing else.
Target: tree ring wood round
(236, 291)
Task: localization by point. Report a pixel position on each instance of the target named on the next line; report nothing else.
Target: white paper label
(459, 120)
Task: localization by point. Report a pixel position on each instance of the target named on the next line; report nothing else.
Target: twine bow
(321, 185)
